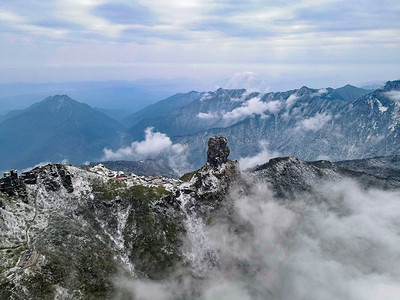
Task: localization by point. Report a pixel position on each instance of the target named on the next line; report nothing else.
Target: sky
(266, 45)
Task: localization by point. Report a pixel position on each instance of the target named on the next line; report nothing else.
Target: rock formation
(218, 151)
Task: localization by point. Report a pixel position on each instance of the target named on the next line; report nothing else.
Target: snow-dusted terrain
(85, 233)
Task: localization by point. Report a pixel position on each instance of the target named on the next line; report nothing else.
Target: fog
(341, 242)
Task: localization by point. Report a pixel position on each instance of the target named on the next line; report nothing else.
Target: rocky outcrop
(54, 177)
(218, 151)
(290, 177)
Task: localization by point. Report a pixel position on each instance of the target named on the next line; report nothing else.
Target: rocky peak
(218, 151)
(392, 85)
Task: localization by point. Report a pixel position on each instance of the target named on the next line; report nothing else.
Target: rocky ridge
(78, 229)
(75, 229)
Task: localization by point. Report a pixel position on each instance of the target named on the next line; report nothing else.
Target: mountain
(152, 114)
(373, 85)
(223, 108)
(56, 129)
(84, 233)
(128, 95)
(116, 114)
(307, 123)
(312, 127)
(148, 167)
(351, 93)
(383, 166)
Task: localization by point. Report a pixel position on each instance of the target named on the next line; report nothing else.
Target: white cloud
(252, 107)
(154, 145)
(208, 116)
(314, 123)
(203, 40)
(249, 81)
(290, 101)
(319, 93)
(344, 243)
(241, 98)
(21, 23)
(393, 95)
(65, 161)
(261, 158)
(80, 12)
(205, 96)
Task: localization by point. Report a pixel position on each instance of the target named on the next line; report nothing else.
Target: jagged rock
(28, 178)
(66, 179)
(215, 177)
(218, 151)
(290, 177)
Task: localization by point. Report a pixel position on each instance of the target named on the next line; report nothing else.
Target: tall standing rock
(218, 151)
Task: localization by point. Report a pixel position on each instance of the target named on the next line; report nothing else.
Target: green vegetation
(108, 191)
(151, 237)
(188, 176)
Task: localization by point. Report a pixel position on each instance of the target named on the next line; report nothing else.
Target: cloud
(253, 107)
(20, 23)
(319, 93)
(290, 101)
(262, 45)
(393, 95)
(209, 115)
(249, 81)
(314, 123)
(206, 96)
(261, 158)
(155, 145)
(340, 243)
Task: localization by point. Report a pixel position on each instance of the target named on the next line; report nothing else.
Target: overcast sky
(231, 43)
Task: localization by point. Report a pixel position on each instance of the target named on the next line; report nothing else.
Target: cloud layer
(342, 243)
(255, 43)
(260, 158)
(393, 95)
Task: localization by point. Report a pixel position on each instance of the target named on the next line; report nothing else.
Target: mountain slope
(223, 108)
(154, 112)
(315, 127)
(78, 233)
(351, 93)
(55, 129)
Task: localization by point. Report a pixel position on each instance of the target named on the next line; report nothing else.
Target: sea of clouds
(341, 242)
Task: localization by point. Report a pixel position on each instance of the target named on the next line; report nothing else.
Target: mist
(339, 242)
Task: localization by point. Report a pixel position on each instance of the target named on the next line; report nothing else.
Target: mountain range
(335, 124)
(94, 233)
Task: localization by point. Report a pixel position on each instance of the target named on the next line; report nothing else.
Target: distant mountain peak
(59, 98)
(392, 85)
(350, 92)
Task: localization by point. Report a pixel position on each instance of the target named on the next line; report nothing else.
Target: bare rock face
(218, 151)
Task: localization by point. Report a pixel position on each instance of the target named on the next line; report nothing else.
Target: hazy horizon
(233, 44)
